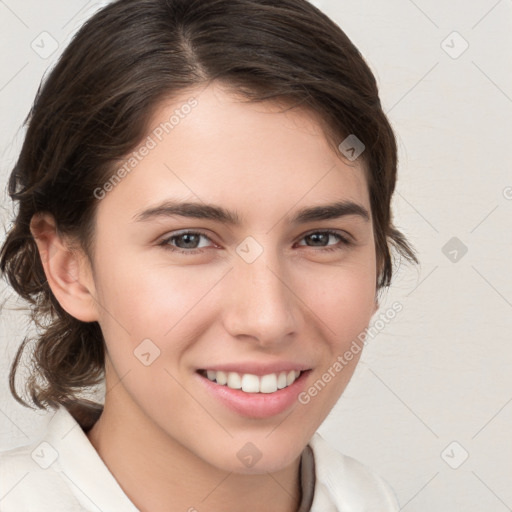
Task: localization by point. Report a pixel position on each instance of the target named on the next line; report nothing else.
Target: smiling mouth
(250, 383)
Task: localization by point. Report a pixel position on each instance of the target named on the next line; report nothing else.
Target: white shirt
(62, 472)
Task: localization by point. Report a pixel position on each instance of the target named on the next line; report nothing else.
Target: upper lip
(256, 368)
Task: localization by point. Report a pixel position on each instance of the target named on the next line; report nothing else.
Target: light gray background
(441, 371)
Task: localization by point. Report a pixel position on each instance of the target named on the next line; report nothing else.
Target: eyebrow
(171, 208)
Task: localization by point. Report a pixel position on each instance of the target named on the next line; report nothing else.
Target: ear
(68, 271)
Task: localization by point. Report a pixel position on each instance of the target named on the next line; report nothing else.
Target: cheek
(150, 318)
(343, 301)
(159, 303)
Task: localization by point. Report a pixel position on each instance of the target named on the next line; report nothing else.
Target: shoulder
(349, 483)
(60, 470)
(29, 480)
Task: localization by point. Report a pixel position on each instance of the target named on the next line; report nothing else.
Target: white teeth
(221, 378)
(281, 380)
(250, 383)
(268, 383)
(234, 381)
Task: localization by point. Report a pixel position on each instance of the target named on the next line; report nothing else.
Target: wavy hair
(94, 108)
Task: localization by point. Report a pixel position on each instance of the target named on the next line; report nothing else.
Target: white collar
(98, 487)
(342, 484)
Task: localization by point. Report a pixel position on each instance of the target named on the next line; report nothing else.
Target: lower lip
(256, 405)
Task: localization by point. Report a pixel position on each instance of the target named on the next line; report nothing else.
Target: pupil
(317, 236)
(189, 238)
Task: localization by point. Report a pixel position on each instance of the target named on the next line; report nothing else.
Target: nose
(261, 305)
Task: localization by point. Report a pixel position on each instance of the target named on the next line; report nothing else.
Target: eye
(187, 242)
(323, 236)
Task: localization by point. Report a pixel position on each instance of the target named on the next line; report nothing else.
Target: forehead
(209, 145)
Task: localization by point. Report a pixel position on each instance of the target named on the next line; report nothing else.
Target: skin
(167, 442)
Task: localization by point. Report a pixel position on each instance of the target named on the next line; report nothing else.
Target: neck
(159, 474)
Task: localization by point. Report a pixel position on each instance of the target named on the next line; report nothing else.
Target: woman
(204, 224)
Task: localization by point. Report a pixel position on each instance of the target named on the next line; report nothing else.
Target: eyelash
(345, 242)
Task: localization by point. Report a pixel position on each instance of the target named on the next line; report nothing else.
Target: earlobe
(67, 271)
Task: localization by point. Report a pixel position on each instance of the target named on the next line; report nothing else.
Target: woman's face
(255, 290)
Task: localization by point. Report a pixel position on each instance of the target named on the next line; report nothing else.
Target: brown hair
(95, 106)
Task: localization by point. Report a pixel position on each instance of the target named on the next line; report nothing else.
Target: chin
(260, 456)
